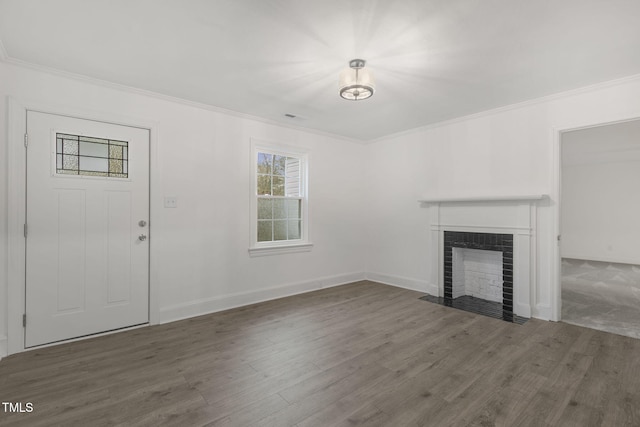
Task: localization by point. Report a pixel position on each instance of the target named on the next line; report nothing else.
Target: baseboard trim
(542, 312)
(587, 257)
(4, 349)
(226, 302)
(404, 282)
(522, 310)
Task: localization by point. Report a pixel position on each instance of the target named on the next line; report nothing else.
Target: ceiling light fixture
(356, 83)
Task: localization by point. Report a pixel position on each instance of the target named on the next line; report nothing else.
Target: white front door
(87, 260)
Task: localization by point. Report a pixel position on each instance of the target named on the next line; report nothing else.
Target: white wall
(200, 259)
(510, 151)
(600, 193)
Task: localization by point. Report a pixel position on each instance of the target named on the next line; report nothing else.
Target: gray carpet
(603, 296)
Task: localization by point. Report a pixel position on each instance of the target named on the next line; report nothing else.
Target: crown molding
(531, 102)
(4, 57)
(151, 94)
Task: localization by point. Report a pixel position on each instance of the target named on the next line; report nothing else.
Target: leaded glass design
(279, 196)
(88, 156)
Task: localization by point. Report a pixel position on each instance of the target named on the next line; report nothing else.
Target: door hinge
(24, 320)
(26, 140)
(26, 230)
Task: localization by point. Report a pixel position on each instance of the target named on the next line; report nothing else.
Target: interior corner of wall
(3, 52)
(3, 347)
(403, 282)
(226, 302)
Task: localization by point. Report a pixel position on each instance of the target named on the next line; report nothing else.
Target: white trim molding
(516, 106)
(555, 258)
(226, 302)
(280, 249)
(169, 98)
(513, 215)
(404, 282)
(474, 199)
(16, 197)
(303, 244)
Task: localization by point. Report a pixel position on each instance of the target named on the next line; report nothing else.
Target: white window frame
(282, 246)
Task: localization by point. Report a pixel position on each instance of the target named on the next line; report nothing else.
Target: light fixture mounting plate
(357, 63)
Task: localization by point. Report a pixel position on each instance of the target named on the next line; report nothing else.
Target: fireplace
(502, 224)
(502, 243)
(478, 273)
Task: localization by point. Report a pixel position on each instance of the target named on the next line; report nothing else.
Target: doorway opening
(600, 207)
(86, 228)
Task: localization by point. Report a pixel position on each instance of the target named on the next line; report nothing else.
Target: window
(279, 199)
(83, 155)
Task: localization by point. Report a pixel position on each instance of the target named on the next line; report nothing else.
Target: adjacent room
(600, 207)
(296, 213)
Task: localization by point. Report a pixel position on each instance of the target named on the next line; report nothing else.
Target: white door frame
(556, 261)
(17, 168)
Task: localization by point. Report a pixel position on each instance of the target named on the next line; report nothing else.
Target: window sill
(280, 249)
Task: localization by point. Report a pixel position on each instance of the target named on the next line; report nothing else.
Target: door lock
(142, 223)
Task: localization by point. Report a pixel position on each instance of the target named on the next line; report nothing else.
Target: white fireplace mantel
(511, 214)
(504, 198)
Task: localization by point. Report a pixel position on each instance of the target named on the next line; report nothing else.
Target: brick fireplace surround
(484, 241)
(505, 223)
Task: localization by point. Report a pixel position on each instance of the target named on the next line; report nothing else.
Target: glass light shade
(356, 84)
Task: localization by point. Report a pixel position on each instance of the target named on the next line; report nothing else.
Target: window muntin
(278, 175)
(279, 196)
(88, 156)
(279, 218)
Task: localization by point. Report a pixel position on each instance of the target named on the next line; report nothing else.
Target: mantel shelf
(509, 198)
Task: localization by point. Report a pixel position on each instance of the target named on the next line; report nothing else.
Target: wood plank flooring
(358, 354)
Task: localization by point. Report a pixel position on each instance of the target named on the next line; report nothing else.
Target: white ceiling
(433, 60)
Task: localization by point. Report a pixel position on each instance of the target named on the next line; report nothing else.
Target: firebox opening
(499, 304)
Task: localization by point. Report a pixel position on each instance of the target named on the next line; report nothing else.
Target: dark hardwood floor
(359, 354)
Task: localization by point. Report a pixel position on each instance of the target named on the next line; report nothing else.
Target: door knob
(142, 237)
